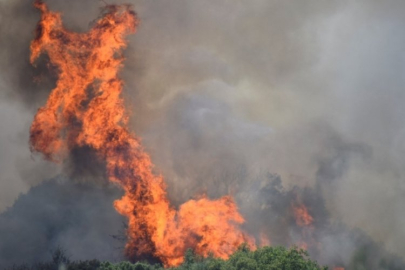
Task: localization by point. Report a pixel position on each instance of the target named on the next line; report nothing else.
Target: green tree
(266, 258)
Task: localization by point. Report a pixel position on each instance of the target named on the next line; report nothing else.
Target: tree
(265, 258)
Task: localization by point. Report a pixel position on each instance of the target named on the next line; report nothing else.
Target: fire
(264, 240)
(303, 245)
(304, 220)
(86, 109)
(338, 268)
(302, 217)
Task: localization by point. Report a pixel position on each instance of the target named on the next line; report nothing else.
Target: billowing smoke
(274, 102)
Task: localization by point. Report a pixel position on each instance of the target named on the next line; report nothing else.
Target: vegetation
(266, 258)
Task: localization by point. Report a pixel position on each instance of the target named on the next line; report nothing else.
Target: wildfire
(86, 109)
(302, 245)
(264, 240)
(304, 220)
(302, 217)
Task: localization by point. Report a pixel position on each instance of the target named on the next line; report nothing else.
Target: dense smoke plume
(265, 100)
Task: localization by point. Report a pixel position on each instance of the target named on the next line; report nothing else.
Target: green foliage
(270, 258)
(128, 266)
(266, 258)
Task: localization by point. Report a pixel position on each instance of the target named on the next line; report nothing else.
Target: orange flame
(302, 217)
(86, 109)
(264, 240)
(303, 245)
(338, 268)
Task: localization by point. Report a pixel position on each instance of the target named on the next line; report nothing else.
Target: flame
(86, 109)
(338, 268)
(264, 240)
(302, 245)
(302, 217)
(304, 220)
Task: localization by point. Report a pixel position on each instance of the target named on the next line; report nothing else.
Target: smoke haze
(229, 94)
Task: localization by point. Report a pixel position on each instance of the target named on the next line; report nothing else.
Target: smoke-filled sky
(221, 91)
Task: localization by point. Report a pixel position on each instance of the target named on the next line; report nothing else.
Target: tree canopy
(265, 258)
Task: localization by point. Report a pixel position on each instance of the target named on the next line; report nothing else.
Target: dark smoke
(80, 218)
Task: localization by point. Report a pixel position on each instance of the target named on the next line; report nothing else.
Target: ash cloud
(224, 93)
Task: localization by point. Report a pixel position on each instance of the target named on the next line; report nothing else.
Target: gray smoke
(79, 218)
(225, 93)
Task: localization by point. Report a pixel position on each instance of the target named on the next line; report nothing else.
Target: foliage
(266, 258)
(129, 266)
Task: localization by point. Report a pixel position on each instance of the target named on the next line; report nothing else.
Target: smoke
(76, 217)
(226, 94)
